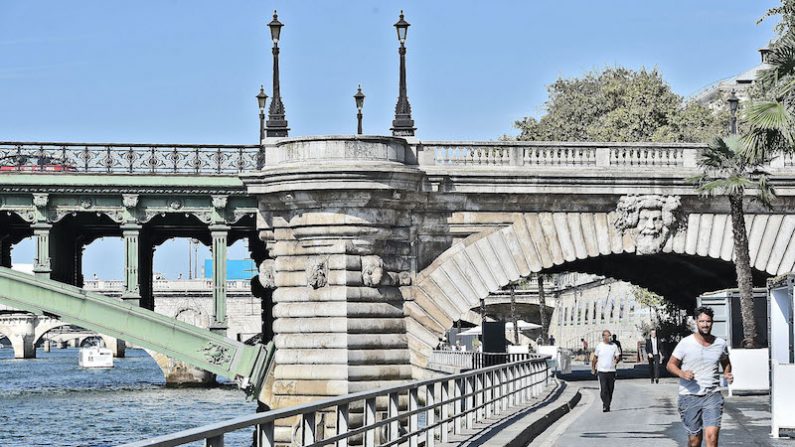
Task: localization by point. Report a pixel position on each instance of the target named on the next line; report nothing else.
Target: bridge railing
(474, 359)
(426, 411)
(115, 158)
(559, 154)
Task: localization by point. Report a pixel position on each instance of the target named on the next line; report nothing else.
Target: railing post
(480, 413)
(517, 156)
(392, 411)
(489, 394)
(511, 386)
(458, 390)
(445, 411)
(431, 391)
(468, 401)
(505, 389)
(369, 420)
(603, 156)
(308, 428)
(215, 441)
(265, 435)
(342, 424)
(414, 405)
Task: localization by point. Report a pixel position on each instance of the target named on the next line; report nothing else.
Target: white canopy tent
(523, 326)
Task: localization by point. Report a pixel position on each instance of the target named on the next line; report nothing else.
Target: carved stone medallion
(266, 275)
(317, 272)
(372, 270)
(129, 200)
(650, 219)
(216, 354)
(40, 200)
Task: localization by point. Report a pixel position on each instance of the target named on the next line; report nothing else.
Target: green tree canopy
(619, 104)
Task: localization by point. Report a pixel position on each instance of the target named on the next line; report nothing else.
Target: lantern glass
(276, 28)
(402, 28)
(359, 97)
(261, 98)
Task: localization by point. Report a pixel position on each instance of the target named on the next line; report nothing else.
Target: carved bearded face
(652, 232)
(650, 219)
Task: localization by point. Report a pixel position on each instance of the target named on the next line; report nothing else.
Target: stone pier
(342, 256)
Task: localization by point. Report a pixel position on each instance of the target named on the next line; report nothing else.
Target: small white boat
(95, 357)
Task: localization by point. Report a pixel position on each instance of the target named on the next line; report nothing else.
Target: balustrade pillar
(41, 262)
(132, 280)
(219, 237)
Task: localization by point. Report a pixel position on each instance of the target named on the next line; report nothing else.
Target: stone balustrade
(558, 154)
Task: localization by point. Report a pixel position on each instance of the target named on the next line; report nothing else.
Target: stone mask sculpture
(651, 219)
(372, 270)
(316, 273)
(266, 275)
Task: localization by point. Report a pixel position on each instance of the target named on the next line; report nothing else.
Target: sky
(183, 71)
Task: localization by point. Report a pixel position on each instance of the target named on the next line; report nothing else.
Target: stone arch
(485, 262)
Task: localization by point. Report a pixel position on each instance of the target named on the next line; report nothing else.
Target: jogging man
(695, 361)
(603, 364)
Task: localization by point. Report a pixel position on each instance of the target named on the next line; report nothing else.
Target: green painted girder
(110, 316)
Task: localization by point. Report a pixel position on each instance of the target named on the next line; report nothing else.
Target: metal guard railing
(115, 158)
(475, 359)
(460, 400)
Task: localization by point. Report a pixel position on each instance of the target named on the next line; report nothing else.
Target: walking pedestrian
(603, 364)
(695, 361)
(618, 343)
(654, 356)
(584, 350)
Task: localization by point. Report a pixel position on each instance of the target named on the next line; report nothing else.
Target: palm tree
(731, 168)
(770, 116)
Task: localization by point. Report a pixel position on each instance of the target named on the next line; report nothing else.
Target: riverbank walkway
(643, 414)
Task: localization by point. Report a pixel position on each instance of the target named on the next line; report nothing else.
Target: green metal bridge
(201, 348)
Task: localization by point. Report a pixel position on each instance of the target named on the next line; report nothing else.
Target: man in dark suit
(654, 356)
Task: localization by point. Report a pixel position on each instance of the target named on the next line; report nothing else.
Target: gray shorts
(698, 412)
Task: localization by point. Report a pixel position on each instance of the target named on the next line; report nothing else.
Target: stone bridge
(372, 247)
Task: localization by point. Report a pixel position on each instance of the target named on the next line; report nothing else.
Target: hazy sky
(187, 71)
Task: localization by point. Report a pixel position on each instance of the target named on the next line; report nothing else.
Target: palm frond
(764, 191)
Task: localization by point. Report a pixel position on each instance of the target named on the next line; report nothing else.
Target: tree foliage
(619, 104)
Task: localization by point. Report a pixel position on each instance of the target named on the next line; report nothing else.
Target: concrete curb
(537, 421)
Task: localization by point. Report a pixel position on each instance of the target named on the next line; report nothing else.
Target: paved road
(644, 414)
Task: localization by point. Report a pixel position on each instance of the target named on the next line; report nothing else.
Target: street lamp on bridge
(359, 98)
(261, 98)
(277, 124)
(734, 101)
(403, 125)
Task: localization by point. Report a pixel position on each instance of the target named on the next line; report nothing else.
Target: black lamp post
(359, 97)
(261, 99)
(733, 102)
(402, 125)
(277, 124)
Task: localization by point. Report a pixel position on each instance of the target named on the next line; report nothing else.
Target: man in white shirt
(603, 364)
(695, 361)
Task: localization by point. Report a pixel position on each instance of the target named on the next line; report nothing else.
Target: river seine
(50, 401)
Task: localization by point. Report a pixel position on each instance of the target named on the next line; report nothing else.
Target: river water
(50, 401)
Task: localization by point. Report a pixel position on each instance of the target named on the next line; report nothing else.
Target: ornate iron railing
(113, 158)
(449, 404)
